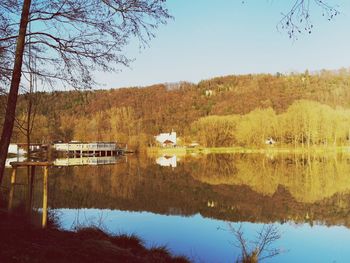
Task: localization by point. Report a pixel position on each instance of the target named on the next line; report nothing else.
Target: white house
(270, 141)
(208, 93)
(167, 139)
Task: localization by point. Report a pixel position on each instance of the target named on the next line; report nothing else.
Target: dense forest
(294, 109)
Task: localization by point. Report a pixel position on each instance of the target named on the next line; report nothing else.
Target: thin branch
(298, 18)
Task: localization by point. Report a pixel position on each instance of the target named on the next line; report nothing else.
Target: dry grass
(23, 242)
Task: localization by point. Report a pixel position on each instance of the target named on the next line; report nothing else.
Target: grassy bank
(23, 242)
(171, 151)
(181, 151)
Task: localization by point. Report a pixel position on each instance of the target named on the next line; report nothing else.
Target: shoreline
(182, 151)
(24, 242)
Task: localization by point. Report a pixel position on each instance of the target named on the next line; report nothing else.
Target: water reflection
(28, 200)
(307, 178)
(167, 161)
(85, 161)
(29, 171)
(301, 191)
(14, 159)
(75, 161)
(230, 187)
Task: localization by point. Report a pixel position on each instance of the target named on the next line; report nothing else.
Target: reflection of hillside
(141, 185)
(308, 179)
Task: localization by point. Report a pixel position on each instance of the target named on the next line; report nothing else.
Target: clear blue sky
(210, 38)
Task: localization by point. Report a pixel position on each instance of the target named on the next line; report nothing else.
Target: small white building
(270, 141)
(209, 93)
(193, 145)
(85, 146)
(167, 139)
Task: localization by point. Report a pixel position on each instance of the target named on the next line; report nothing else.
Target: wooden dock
(31, 166)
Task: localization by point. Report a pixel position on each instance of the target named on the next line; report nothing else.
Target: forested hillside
(134, 115)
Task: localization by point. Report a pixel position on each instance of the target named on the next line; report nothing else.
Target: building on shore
(167, 139)
(88, 148)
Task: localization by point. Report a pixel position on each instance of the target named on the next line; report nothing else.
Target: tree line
(304, 124)
(239, 110)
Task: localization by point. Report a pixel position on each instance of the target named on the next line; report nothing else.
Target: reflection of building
(85, 161)
(166, 139)
(14, 159)
(168, 161)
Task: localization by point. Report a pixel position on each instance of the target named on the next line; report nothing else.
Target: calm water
(189, 203)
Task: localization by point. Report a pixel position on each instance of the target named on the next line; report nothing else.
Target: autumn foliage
(296, 109)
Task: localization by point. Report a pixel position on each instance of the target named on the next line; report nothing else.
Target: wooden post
(30, 189)
(13, 175)
(45, 192)
(12, 188)
(49, 151)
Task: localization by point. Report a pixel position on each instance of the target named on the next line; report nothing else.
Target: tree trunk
(28, 125)
(30, 97)
(15, 81)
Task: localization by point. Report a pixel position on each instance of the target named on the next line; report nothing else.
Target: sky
(210, 38)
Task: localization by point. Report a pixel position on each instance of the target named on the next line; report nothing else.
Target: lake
(192, 203)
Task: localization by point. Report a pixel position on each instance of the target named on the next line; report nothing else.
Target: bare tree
(299, 17)
(16, 76)
(260, 248)
(70, 39)
(26, 124)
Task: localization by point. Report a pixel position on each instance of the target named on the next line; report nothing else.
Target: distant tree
(216, 131)
(256, 127)
(71, 39)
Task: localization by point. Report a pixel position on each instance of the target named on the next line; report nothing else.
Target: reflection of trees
(216, 166)
(307, 178)
(235, 188)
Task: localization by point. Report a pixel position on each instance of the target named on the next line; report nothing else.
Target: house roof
(163, 137)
